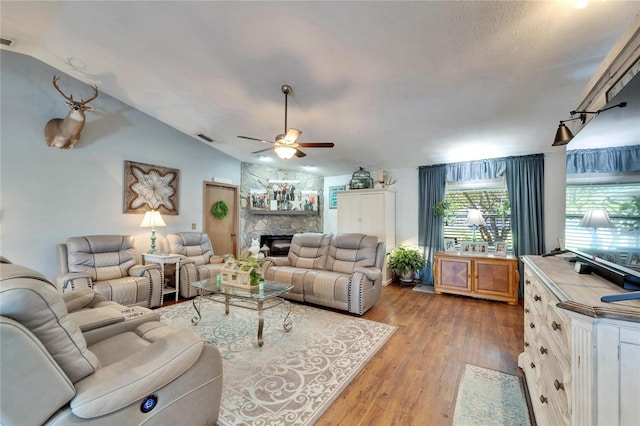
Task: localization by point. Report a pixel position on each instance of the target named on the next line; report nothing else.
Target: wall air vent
(205, 137)
(6, 42)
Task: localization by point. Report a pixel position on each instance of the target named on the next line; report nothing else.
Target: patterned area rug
(294, 377)
(489, 397)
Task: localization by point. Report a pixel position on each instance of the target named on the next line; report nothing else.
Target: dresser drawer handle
(532, 365)
(526, 344)
(556, 326)
(532, 325)
(537, 298)
(543, 350)
(558, 385)
(527, 281)
(543, 399)
(526, 310)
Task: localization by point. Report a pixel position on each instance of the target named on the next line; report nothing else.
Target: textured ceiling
(392, 84)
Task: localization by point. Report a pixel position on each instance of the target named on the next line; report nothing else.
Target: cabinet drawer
(557, 325)
(557, 385)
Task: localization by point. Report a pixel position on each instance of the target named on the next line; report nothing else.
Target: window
(492, 201)
(621, 199)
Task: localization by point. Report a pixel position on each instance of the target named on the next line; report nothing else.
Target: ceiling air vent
(7, 42)
(205, 137)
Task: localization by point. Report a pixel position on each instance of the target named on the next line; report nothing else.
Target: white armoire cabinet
(371, 212)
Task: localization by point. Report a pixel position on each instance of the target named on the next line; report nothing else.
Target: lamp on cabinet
(475, 220)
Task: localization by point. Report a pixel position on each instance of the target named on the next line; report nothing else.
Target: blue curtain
(431, 183)
(618, 159)
(474, 170)
(525, 182)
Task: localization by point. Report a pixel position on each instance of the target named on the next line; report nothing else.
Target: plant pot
(407, 277)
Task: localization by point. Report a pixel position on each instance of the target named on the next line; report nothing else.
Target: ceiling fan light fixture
(285, 152)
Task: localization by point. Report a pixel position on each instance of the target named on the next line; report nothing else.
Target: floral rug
(295, 376)
(488, 397)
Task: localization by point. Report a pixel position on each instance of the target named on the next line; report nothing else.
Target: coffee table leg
(198, 317)
(260, 322)
(287, 324)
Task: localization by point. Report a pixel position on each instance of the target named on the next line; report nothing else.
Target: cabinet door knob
(532, 365)
(543, 350)
(556, 326)
(543, 399)
(558, 385)
(537, 298)
(526, 344)
(526, 310)
(527, 282)
(532, 325)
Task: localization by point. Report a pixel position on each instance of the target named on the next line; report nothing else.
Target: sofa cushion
(28, 297)
(327, 288)
(348, 251)
(288, 275)
(125, 291)
(105, 257)
(309, 250)
(194, 245)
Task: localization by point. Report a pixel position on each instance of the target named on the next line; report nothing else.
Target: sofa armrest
(83, 298)
(139, 270)
(124, 382)
(217, 259)
(276, 261)
(74, 280)
(372, 274)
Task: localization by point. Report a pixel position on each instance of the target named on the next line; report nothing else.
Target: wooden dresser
(481, 276)
(581, 356)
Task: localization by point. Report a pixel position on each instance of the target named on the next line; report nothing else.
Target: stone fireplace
(278, 244)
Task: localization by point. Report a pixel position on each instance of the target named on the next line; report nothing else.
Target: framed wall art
(147, 186)
(333, 195)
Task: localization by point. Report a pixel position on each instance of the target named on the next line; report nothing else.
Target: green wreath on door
(220, 209)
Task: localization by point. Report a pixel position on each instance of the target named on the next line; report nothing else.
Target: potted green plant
(406, 262)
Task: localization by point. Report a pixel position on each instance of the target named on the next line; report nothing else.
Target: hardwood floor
(413, 379)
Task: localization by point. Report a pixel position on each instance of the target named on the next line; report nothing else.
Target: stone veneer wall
(254, 176)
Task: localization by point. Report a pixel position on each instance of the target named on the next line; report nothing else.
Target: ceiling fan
(286, 145)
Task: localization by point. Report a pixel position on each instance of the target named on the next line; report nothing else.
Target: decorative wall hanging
(64, 133)
(333, 195)
(147, 186)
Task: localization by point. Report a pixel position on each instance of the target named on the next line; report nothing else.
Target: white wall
(407, 201)
(49, 194)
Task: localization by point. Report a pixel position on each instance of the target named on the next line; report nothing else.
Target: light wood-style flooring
(413, 379)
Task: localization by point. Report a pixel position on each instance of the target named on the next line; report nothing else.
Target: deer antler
(95, 88)
(55, 84)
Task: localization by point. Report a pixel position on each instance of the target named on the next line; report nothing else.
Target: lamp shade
(152, 219)
(596, 218)
(285, 152)
(474, 217)
(563, 135)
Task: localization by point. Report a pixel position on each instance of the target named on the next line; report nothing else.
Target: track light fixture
(564, 135)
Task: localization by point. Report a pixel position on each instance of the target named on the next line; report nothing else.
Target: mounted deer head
(65, 132)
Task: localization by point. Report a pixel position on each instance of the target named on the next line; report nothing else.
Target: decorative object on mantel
(147, 185)
(64, 133)
(220, 209)
(361, 179)
(283, 197)
(244, 273)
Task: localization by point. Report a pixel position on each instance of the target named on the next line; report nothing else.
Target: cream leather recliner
(197, 260)
(148, 374)
(107, 264)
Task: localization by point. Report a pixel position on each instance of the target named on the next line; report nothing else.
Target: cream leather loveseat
(341, 271)
(145, 373)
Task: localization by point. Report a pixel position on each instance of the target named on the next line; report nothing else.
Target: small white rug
(488, 397)
(294, 377)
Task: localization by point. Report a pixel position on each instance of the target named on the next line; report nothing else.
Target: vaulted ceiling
(392, 84)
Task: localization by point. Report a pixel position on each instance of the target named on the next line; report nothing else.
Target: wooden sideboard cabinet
(581, 356)
(482, 276)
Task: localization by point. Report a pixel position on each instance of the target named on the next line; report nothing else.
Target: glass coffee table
(258, 298)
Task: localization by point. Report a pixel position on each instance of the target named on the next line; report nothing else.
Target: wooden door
(222, 232)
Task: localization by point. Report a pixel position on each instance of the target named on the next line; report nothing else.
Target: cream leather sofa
(107, 264)
(147, 374)
(197, 261)
(341, 271)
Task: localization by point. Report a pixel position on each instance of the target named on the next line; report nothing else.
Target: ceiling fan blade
(292, 135)
(256, 139)
(300, 154)
(262, 150)
(316, 144)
